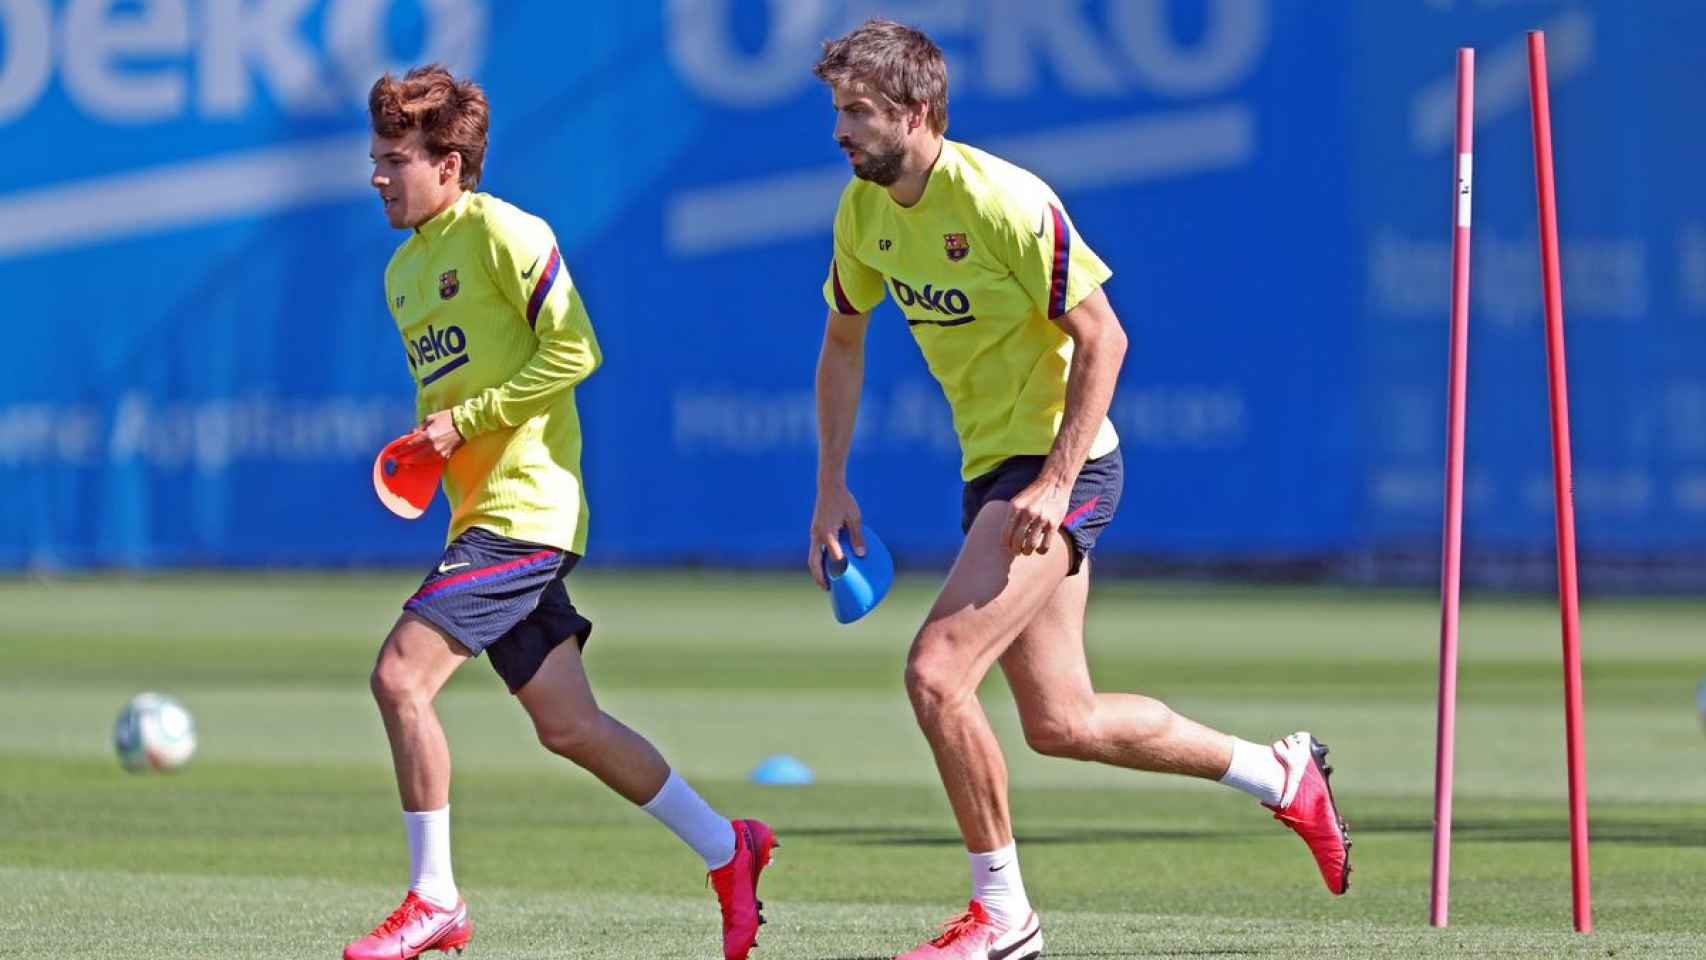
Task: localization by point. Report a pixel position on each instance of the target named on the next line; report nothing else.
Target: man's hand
(440, 431)
(1034, 515)
(835, 509)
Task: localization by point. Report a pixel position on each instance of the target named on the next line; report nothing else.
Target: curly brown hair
(451, 115)
(895, 60)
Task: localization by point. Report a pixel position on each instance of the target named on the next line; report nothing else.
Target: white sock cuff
(1256, 771)
(425, 817)
(430, 874)
(997, 884)
(680, 808)
(995, 858)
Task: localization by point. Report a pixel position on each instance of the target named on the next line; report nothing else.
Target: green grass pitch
(282, 840)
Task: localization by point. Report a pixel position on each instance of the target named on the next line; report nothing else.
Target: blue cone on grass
(782, 770)
(858, 584)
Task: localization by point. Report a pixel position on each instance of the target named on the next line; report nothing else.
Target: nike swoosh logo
(428, 935)
(1008, 950)
(998, 869)
(529, 271)
(1042, 224)
(447, 567)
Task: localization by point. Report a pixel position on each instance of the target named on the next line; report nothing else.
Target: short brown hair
(897, 61)
(451, 115)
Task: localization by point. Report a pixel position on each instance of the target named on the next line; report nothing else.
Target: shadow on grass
(920, 837)
(1649, 833)
(1207, 952)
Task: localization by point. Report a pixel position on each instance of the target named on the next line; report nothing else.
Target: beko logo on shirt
(952, 303)
(435, 345)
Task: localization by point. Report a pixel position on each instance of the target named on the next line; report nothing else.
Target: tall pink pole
(1566, 519)
(1451, 566)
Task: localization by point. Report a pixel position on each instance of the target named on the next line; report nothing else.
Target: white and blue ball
(154, 732)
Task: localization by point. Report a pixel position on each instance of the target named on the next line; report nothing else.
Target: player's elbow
(1106, 340)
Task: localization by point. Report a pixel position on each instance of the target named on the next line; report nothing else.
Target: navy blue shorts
(1094, 498)
(504, 597)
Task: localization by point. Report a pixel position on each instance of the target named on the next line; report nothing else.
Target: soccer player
(497, 339)
(1005, 300)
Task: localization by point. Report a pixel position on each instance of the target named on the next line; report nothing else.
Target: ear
(450, 168)
(917, 115)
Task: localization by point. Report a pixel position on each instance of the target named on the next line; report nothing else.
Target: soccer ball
(153, 732)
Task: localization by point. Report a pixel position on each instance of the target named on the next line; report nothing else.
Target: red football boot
(1307, 806)
(973, 936)
(414, 928)
(736, 883)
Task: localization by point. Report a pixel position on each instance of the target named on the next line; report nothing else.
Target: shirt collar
(435, 228)
(938, 171)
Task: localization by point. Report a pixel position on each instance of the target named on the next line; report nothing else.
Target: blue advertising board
(201, 368)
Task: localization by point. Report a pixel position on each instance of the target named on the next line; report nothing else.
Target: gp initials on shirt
(435, 345)
(950, 302)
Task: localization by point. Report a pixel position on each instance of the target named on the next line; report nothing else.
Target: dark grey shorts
(1095, 496)
(502, 596)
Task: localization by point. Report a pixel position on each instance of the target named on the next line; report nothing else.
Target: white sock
(995, 883)
(1256, 771)
(689, 817)
(429, 855)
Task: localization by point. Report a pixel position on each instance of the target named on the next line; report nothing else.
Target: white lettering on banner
(125, 60)
(1601, 491)
(212, 434)
(1014, 27)
(1605, 278)
(1501, 81)
(1236, 31)
(704, 51)
(1685, 409)
(37, 434)
(914, 415)
(201, 191)
(355, 37)
(743, 421)
(26, 59)
(1690, 492)
(240, 33)
(1399, 489)
(1008, 41)
(97, 41)
(1019, 49)
(1181, 417)
(751, 422)
(1691, 267)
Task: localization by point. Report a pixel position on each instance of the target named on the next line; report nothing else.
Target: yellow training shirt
(496, 333)
(981, 266)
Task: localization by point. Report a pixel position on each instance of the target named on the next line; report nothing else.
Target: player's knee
(569, 737)
(394, 688)
(1059, 735)
(933, 683)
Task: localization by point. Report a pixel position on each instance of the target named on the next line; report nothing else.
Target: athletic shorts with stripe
(1095, 497)
(502, 597)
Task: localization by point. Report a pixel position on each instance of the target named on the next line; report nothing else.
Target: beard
(881, 166)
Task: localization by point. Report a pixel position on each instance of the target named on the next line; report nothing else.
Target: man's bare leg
(414, 663)
(1064, 716)
(989, 597)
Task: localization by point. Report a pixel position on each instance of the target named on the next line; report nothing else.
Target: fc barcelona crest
(448, 285)
(956, 245)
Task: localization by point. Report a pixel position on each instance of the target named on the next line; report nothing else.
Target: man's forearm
(1089, 391)
(840, 374)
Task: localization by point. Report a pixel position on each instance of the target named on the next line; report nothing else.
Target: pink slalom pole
(1451, 565)
(1566, 518)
